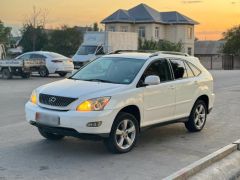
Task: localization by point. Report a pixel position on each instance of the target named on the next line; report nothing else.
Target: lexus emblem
(52, 99)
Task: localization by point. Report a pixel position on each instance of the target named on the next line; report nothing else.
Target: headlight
(33, 98)
(96, 104)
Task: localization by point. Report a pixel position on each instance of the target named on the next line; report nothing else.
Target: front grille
(77, 64)
(58, 101)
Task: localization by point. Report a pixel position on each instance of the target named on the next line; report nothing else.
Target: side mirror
(152, 80)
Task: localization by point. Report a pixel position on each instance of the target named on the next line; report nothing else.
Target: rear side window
(179, 69)
(195, 70)
(25, 56)
(159, 68)
(37, 56)
(189, 71)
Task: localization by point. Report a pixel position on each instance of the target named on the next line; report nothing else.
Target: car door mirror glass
(152, 80)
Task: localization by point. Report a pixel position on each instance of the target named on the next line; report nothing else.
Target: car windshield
(110, 70)
(85, 50)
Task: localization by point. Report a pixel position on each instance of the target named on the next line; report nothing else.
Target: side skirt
(181, 120)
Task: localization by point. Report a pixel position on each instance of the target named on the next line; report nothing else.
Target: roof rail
(154, 52)
(137, 51)
(169, 52)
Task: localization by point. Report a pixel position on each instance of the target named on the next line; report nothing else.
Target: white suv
(114, 97)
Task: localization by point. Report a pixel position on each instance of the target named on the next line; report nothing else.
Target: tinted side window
(158, 68)
(25, 56)
(37, 56)
(189, 70)
(195, 70)
(179, 70)
(100, 51)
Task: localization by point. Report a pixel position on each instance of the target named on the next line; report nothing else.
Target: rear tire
(26, 75)
(50, 136)
(124, 134)
(6, 74)
(62, 74)
(43, 71)
(198, 117)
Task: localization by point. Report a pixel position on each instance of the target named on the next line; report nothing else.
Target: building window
(141, 32)
(190, 33)
(190, 51)
(124, 29)
(111, 28)
(157, 32)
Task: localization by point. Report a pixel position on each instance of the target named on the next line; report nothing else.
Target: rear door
(186, 87)
(38, 59)
(159, 100)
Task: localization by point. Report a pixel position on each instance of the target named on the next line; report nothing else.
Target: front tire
(198, 117)
(50, 136)
(124, 134)
(62, 74)
(6, 74)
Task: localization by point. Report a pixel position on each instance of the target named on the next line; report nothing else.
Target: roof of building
(142, 13)
(208, 47)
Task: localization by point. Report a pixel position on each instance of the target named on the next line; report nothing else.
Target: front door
(159, 100)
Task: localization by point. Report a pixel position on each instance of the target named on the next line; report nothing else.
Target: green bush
(161, 45)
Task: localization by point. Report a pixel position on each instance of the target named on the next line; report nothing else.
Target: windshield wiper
(72, 78)
(100, 80)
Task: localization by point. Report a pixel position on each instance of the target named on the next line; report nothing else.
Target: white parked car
(54, 62)
(114, 97)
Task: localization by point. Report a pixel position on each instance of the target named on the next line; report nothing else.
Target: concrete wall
(237, 62)
(214, 62)
(219, 62)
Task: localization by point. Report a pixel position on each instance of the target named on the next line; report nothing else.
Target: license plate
(77, 67)
(47, 119)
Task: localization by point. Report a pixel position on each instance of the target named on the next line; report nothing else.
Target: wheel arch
(134, 110)
(2, 68)
(204, 98)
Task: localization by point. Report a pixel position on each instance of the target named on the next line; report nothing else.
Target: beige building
(153, 25)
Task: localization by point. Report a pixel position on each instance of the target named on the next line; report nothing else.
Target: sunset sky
(214, 16)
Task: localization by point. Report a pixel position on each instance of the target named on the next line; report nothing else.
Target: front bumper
(75, 120)
(78, 64)
(70, 132)
(65, 69)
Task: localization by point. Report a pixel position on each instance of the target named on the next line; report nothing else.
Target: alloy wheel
(200, 116)
(125, 134)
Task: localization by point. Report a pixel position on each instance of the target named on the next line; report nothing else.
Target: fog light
(94, 124)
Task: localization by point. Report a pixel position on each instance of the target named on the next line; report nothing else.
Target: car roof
(45, 53)
(41, 52)
(146, 56)
(133, 55)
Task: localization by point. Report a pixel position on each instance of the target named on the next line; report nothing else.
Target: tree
(95, 26)
(33, 39)
(33, 33)
(161, 45)
(5, 34)
(65, 40)
(232, 38)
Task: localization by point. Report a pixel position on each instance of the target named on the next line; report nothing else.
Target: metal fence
(220, 62)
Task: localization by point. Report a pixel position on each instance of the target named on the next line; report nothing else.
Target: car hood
(83, 58)
(80, 89)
